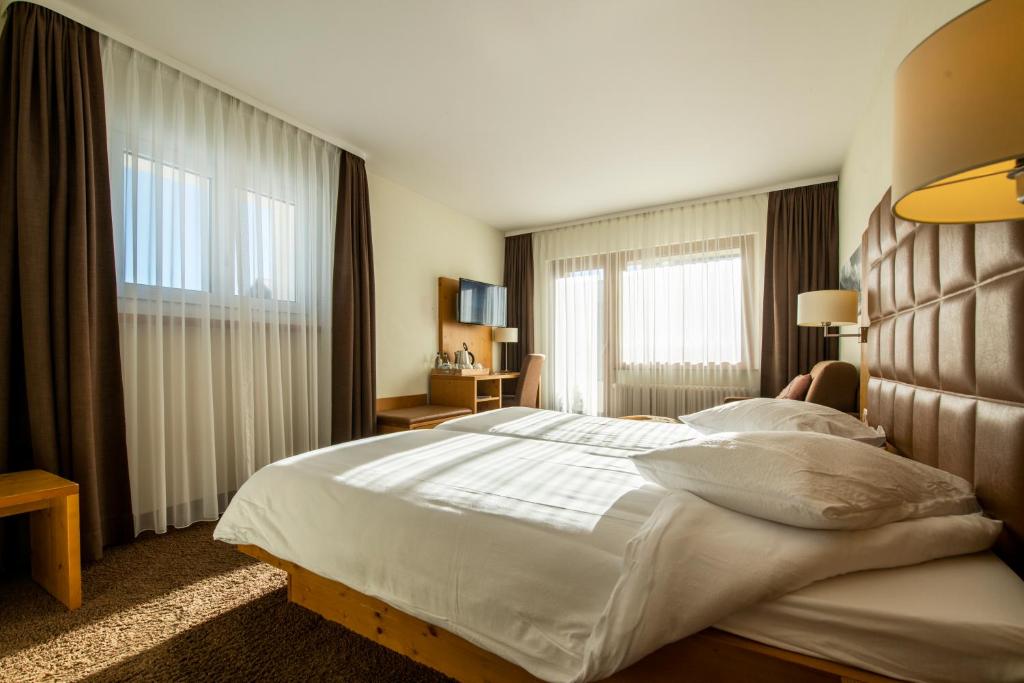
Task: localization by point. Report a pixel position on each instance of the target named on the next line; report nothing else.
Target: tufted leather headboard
(945, 354)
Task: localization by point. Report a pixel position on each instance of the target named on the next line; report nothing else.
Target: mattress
(588, 430)
(954, 619)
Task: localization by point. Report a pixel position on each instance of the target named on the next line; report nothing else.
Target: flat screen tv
(481, 303)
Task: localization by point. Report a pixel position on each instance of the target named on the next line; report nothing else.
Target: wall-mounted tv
(481, 303)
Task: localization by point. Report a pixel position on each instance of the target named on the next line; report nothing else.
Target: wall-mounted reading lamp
(958, 136)
(827, 308)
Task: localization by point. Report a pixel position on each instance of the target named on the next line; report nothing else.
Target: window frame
(298, 264)
(220, 293)
(144, 290)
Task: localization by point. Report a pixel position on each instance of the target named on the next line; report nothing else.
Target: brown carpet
(183, 607)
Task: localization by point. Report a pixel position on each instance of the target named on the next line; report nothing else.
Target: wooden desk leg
(56, 550)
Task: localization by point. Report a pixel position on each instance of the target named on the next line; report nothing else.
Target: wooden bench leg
(56, 550)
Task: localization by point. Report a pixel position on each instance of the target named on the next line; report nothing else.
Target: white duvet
(587, 430)
(557, 557)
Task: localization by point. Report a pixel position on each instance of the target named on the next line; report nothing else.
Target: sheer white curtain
(656, 312)
(224, 230)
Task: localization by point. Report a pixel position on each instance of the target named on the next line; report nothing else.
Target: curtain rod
(100, 26)
(674, 205)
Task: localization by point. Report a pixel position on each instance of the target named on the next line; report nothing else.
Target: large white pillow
(807, 480)
(781, 415)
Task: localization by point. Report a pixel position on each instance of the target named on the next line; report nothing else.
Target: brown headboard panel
(945, 354)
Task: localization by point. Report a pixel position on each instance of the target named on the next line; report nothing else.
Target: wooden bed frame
(710, 656)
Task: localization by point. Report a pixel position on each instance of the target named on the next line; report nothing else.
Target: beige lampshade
(834, 306)
(506, 334)
(958, 127)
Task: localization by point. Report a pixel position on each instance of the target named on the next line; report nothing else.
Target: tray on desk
(461, 372)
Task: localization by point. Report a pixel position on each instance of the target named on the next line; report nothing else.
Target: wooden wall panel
(451, 333)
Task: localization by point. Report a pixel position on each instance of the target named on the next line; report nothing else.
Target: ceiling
(527, 112)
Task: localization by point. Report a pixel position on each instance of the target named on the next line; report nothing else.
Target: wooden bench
(52, 502)
(416, 417)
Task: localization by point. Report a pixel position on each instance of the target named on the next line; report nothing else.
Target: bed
(931, 629)
(596, 566)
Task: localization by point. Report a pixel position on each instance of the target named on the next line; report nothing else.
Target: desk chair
(528, 386)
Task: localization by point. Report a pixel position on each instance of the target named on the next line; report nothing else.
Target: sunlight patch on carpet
(121, 635)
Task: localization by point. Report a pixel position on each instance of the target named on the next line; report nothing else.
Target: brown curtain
(801, 255)
(353, 331)
(519, 282)
(61, 398)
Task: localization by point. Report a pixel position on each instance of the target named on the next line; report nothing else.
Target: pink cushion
(796, 390)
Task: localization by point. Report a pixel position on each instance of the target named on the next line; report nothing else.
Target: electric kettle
(464, 359)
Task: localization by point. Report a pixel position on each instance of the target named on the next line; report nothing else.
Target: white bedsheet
(558, 557)
(954, 619)
(550, 425)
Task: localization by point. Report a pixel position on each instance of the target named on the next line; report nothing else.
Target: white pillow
(781, 415)
(807, 480)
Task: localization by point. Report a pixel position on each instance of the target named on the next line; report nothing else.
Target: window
(676, 326)
(683, 310)
(579, 351)
(166, 225)
(168, 218)
(629, 324)
(268, 250)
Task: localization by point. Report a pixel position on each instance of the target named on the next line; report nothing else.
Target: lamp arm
(862, 335)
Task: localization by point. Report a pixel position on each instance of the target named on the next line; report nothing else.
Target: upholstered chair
(836, 384)
(833, 383)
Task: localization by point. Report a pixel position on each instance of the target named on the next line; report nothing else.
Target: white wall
(416, 240)
(867, 168)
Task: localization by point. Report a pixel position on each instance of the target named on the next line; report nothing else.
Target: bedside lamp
(505, 336)
(827, 308)
(958, 142)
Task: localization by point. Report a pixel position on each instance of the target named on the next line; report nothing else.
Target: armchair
(834, 383)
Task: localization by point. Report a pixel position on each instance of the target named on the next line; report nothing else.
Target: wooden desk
(52, 502)
(476, 392)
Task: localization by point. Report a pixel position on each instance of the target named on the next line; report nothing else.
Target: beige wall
(867, 168)
(416, 240)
